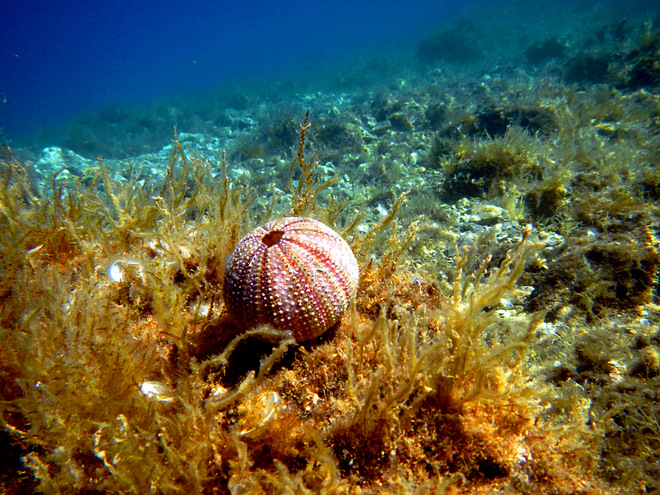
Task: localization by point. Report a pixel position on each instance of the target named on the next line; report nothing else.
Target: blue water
(60, 59)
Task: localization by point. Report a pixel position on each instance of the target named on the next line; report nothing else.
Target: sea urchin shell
(296, 274)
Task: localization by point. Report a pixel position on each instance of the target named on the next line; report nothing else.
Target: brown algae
(120, 375)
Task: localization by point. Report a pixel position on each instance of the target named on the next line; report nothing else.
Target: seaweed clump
(119, 360)
(596, 272)
(476, 168)
(641, 69)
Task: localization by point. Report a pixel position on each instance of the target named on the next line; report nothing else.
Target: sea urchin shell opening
(295, 273)
(272, 238)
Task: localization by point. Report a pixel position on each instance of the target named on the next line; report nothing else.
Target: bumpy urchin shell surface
(294, 273)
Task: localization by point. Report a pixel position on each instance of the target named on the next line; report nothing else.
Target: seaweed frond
(305, 191)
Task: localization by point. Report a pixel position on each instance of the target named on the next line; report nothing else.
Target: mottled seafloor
(486, 128)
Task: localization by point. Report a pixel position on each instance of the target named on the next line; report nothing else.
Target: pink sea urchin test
(295, 273)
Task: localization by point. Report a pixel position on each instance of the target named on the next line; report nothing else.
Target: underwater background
(493, 165)
(64, 58)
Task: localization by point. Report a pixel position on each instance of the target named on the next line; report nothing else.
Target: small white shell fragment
(200, 308)
(35, 249)
(271, 402)
(618, 372)
(157, 390)
(116, 271)
(506, 303)
(219, 392)
(118, 268)
(266, 409)
(315, 400)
